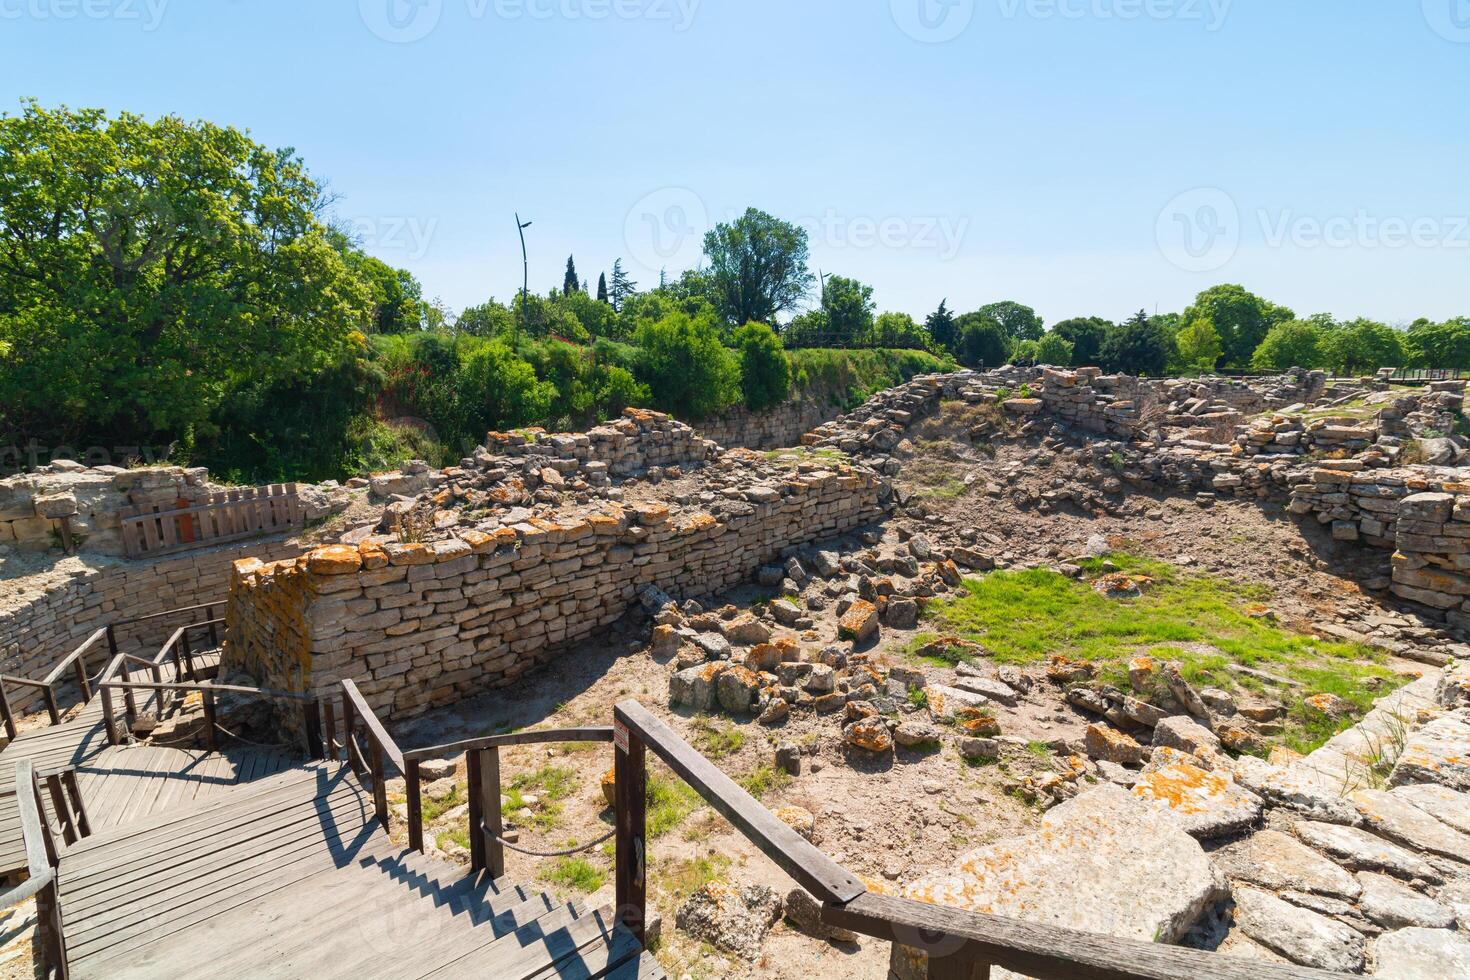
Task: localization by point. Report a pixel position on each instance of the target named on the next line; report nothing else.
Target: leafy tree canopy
(941, 327)
(758, 267)
(1054, 349)
(1085, 334)
(1138, 346)
(1241, 318)
(1363, 346)
(1295, 343)
(983, 341)
(1019, 322)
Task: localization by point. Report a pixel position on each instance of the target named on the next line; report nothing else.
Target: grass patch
(434, 809)
(763, 779)
(684, 878)
(1022, 617)
(717, 738)
(670, 800)
(549, 784)
(573, 872)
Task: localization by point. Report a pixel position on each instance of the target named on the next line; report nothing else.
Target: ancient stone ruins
(808, 592)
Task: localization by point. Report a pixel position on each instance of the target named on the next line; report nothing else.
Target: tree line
(173, 282)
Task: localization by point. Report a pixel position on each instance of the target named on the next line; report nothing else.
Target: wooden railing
(482, 764)
(209, 692)
(381, 749)
(227, 516)
(946, 943)
(74, 666)
(43, 855)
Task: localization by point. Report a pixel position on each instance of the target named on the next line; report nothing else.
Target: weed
(670, 800)
(717, 739)
(763, 779)
(919, 698)
(686, 877)
(573, 872)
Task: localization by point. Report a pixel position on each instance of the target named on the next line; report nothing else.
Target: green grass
(763, 779)
(670, 800)
(1023, 617)
(681, 880)
(573, 872)
(791, 458)
(549, 784)
(851, 376)
(717, 739)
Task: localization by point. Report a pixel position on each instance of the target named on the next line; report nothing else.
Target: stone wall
(422, 625)
(1431, 565)
(776, 428)
(37, 632)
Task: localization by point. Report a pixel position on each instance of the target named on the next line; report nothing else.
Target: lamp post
(526, 274)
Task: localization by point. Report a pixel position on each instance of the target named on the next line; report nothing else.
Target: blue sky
(1087, 157)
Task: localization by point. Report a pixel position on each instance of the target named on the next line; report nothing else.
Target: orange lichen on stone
(859, 622)
(1185, 788)
(651, 514)
(337, 559)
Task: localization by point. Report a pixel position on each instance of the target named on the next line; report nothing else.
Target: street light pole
(526, 274)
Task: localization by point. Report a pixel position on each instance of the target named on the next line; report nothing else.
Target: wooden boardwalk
(291, 876)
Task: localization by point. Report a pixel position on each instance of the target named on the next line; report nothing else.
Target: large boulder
(1281, 863)
(1436, 754)
(1102, 863)
(695, 687)
(1204, 804)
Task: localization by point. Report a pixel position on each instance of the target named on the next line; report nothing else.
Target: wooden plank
(793, 854)
(544, 737)
(555, 938)
(1045, 951)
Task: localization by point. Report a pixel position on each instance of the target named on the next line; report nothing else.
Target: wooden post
(113, 738)
(49, 693)
(59, 807)
(493, 828)
(329, 714)
(130, 701)
(476, 814)
(209, 734)
(48, 841)
(313, 728)
(84, 826)
(6, 712)
(349, 738)
(415, 795)
(188, 654)
(380, 789)
(631, 775)
(213, 630)
(82, 682)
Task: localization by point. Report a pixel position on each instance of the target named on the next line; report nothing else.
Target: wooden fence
(227, 516)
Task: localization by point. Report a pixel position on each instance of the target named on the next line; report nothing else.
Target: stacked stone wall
(422, 625)
(776, 428)
(38, 631)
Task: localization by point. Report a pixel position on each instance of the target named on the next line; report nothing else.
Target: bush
(498, 391)
(765, 375)
(1055, 350)
(1295, 343)
(1136, 347)
(983, 342)
(689, 372)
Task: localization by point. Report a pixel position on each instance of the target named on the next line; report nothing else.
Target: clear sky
(1086, 157)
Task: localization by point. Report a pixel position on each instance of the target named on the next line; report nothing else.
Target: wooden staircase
(292, 876)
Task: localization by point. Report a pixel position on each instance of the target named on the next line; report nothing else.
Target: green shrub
(765, 374)
(689, 372)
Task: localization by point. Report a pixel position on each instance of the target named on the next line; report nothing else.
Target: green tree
(1361, 346)
(1085, 334)
(397, 298)
(602, 294)
(1440, 345)
(1242, 319)
(941, 327)
(897, 331)
(765, 374)
(497, 390)
(1295, 343)
(688, 370)
(1024, 351)
(1019, 322)
(848, 305)
(622, 286)
(1199, 345)
(149, 269)
(1054, 349)
(983, 342)
(758, 267)
(489, 319)
(1137, 346)
(570, 283)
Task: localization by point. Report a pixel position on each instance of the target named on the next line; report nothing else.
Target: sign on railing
(227, 516)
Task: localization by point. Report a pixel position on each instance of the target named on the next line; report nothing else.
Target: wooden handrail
(41, 864)
(539, 737)
(482, 766)
(375, 728)
(957, 943)
(72, 657)
(808, 866)
(1038, 950)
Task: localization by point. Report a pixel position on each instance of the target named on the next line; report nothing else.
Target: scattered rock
(1114, 746)
(805, 913)
(1205, 804)
(914, 734)
(732, 919)
(1278, 862)
(979, 749)
(859, 622)
(869, 735)
(1179, 732)
(1299, 934)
